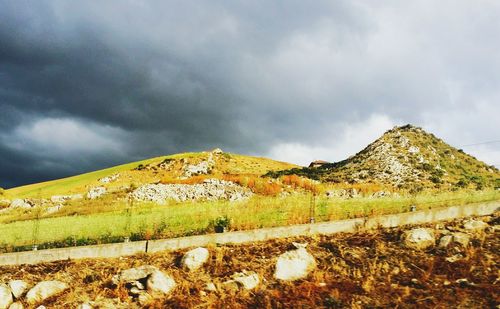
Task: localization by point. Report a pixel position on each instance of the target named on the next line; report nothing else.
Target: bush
(221, 224)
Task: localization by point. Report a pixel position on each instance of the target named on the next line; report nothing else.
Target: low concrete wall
(352, 225)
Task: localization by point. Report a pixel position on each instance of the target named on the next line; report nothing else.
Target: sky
(90, 84)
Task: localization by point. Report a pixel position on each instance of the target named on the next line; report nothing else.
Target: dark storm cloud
(124, 80)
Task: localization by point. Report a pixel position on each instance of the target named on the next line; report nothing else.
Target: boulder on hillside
(18, 287)
(419, 238)
(294, 265)
(5, 297)
(195, 258)
(44, 290)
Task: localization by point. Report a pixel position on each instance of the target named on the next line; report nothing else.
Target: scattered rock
(461, 238)
(210, 286)
(195, 258)
(248, 280)
(85, 306)
(445, 241)
(110, 178)
(217, 151)
(295, 264)
(44, 290)
(5, 297)
(96, 192)
(454, 258)
(18, 288)
(419, 238)
(158, 283)
(53, 209)
(343, 193)
(381, 194)
(65, 198)
(475, 225)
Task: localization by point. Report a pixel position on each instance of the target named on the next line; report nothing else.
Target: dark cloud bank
(85, 85)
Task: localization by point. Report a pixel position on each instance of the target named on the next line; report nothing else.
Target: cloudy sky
(90, 84)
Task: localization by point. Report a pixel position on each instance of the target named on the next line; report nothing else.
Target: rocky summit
(407, 157)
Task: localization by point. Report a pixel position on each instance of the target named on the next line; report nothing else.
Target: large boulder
(195, 258)
(5, 297)
(16, 305)
(134, 274)
(159, 283)
(294, 265)
(44, 290)
(18, 288)
(419, 238)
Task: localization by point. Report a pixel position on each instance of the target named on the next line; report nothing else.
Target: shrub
(221, 224)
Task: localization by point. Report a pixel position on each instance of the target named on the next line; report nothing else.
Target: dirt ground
(360, 270)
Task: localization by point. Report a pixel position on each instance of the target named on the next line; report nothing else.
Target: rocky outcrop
(44, 290)
(64, 198)
(419, 238)
(210, 189)
(195, 258)
(295, 264)
(96, 192)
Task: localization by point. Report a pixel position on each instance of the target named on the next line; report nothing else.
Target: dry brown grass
(354, 270)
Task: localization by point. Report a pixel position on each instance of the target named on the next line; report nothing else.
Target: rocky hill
(407, 157)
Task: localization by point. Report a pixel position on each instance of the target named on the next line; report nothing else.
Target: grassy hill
(166, 168)
(407, 157)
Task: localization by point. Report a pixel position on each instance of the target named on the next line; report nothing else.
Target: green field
(114, 219)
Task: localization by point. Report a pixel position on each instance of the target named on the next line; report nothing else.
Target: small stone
(210, 286)
(44, 290)
(454, 258)
(445, 241)
(5, 297)
(446, 283)
(85, 306)
(133, 274)
(249, 280)
(195, 258)
(18, 287)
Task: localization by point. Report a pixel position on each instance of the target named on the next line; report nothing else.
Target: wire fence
(140, 222)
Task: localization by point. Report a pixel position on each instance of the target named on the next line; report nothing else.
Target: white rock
(249, 280)
(5, 297)
(445, 241)
(461, 238)
(475, 225)
(195, 258)
(134, 274)
(159, 283)
(85, 306)
(419, 238)
(295, 264)
(96, 192)
(16, 305)
(20, 203)
(18, 287)
(44, 290)
(210, 286)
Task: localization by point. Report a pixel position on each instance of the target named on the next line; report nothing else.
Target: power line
(482, 143)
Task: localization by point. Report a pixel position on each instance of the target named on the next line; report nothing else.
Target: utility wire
(483, 143)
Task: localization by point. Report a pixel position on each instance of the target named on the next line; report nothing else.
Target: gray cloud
(87, 85)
